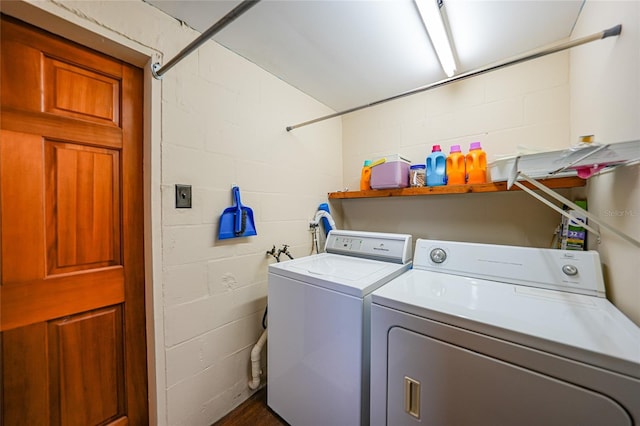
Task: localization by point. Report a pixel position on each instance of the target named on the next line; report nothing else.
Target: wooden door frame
(54, 19)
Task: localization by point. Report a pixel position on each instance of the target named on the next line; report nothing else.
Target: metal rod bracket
(158, 71)
(154, 70)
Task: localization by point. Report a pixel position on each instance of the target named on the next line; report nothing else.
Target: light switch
(183, 196)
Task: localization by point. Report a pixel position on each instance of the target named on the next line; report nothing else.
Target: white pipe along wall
(256, 371)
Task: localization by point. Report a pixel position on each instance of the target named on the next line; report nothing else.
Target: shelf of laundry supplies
(554, 183)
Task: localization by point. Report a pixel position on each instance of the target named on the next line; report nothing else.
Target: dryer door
(431, 382)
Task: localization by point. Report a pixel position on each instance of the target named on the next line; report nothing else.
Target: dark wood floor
(252, 412)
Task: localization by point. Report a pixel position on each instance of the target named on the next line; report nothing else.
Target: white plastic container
(392, 173)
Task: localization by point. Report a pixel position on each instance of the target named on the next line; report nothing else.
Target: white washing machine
(319, 331)
(479, 334)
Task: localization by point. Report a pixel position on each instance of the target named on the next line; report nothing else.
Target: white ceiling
(347, 53)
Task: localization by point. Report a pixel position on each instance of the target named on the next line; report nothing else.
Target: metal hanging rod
(538, 53)
(158, 71)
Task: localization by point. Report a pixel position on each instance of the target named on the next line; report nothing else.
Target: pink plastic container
(393, 173)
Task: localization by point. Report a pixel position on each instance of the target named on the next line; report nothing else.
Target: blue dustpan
(236, 221)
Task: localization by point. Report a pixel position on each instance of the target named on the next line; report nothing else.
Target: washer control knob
(438, 255)
(570, 270)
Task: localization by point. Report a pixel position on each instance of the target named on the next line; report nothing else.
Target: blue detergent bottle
(436, 167)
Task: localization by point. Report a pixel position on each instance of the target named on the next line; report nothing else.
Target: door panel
(83, 207)
(79, 92)
(92, 391)
(72, 291)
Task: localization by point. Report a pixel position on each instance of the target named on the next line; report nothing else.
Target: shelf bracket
(513, 180)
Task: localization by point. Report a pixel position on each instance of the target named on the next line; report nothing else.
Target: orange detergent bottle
(365, 176)
(476, 164)
(456, 173)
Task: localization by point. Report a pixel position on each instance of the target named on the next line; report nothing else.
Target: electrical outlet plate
(183, 196)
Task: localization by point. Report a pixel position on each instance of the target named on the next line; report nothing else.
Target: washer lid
(585, 328)
(346, 274)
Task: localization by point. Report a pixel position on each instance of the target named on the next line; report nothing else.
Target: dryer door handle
(412, 397)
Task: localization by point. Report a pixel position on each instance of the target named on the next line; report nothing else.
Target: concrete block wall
(224, 123)
(516, 109)
(525, 106)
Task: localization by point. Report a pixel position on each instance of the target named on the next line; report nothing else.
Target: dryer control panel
(565, 270)
(395, 248)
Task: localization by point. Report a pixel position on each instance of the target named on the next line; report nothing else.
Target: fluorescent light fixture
(433, 22)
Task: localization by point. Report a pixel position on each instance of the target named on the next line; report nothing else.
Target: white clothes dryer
(479, 334)
(319, 331)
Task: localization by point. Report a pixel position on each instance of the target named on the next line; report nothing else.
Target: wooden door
(71, 221)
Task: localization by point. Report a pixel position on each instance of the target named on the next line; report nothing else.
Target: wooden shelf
(554, 183)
